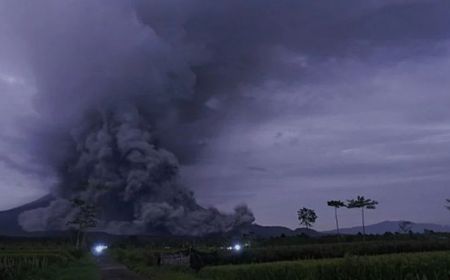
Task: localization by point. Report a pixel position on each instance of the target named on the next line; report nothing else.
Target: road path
(112, 270)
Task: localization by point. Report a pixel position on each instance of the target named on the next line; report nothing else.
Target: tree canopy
(362, 202)
(306, 217)
(336, 203)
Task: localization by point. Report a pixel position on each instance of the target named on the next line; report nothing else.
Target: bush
(77, 253)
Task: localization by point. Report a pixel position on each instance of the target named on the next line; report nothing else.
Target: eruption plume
(105, 83)
(118, 166)
(124, 88)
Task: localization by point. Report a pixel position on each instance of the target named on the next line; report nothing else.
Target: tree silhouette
(84, 218)
(363, 203)
(448, 201)
(306, 217)
(336, 204)
(405, 226)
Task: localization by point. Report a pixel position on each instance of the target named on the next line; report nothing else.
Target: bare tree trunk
(83, 239)
(77, 244)
(337, 223)
(363, 224)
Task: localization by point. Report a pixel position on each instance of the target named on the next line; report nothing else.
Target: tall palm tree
(363, 203)
(336, 204)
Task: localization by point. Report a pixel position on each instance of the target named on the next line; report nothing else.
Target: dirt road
(112, 270)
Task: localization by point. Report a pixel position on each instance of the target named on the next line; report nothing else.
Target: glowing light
(237, 247)
(99, 249)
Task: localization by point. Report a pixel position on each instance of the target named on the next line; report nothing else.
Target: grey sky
(283, 103)
(388, 143)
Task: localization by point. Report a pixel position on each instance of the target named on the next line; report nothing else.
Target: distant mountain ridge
(392, 226)
(9, 225)
(378, 228)
(274, 231)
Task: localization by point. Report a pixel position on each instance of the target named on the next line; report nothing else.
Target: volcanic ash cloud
(118, 167)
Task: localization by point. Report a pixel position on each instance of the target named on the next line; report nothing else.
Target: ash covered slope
(9, 225)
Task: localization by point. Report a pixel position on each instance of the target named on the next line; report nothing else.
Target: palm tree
(306, 217)
(336, 204)
(363, 203)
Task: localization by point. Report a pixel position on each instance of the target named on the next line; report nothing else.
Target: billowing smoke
(118, 166)
(106, 83)
(124, 88)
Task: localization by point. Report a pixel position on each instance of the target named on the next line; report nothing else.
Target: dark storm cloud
(306, 91)
(377, 133)
(253, 43)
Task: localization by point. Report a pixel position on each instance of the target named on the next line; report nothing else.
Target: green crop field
(371, 260)
(430, 266)
(419, 259)
(38, 261)
(332, 250)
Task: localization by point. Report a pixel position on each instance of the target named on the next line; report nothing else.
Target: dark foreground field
(435, 265)
(298, 258)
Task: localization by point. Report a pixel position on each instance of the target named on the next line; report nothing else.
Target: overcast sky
(300, 102)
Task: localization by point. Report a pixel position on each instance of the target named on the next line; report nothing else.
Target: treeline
(307, 217)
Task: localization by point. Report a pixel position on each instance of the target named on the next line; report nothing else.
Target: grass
(368, 261)
(429, 266)
(147, 255)
(84, 269)
(165, 273)
(331, 250)
(46, 265)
